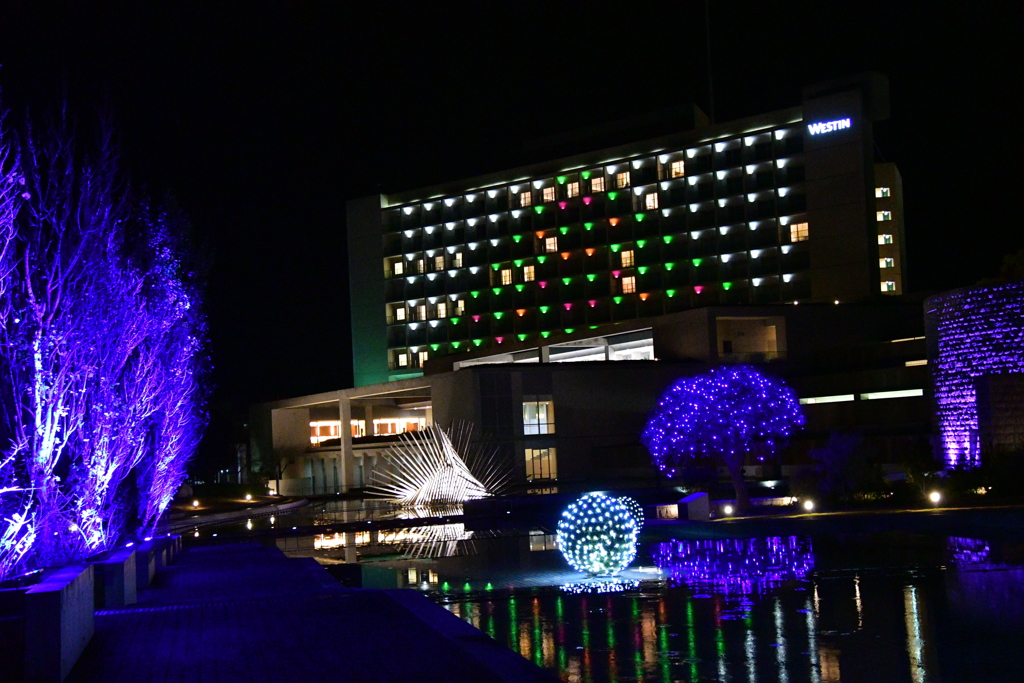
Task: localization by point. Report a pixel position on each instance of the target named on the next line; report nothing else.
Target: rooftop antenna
(707, 41)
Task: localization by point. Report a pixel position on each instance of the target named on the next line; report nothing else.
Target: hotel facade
(563, 287)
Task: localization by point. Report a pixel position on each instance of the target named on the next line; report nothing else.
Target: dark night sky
(263, 118)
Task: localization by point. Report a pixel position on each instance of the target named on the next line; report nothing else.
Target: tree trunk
(736, 474)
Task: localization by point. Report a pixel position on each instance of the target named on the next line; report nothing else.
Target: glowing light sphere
(935, 497)
(808, 505)
(598, 535)
(634, 509)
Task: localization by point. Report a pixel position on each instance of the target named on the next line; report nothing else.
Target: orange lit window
(422, 357)
(527, 273)
(442, 309)
(549, 194)
(398, 268)
(400, 313)
(627, 258)
(798, 232)
(572, 190)
(597, 185)
(403, 360)
(525, 198)
(551, 245)
(506, 276)
(628, 284)
(622, 179)
(651, 201)
(678, 169)
(439, 263)
(457, 259)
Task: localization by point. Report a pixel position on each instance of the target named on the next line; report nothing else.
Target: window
(597, 185)
(442, 309)
(883, 215)
(403, 360)
(798, 232)
(885, 263)
(572, 190)
(541, 463)
(888, 286)
(881, 191)
(439, 262)
(651, 201)
(626, 258)
(549, 194)
(397, 268)
(538, 415)
(628, 284)
(506, 276)
(551, 245)
(419, 266)
(421, 312)
(525, 198)
(678, 169)
(622, 179)
(460, 306)
(422, 357)
(457, 259)
(400, 313)
(885, 239)
(527, 273)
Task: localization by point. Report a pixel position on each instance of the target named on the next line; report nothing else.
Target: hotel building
(581, 287)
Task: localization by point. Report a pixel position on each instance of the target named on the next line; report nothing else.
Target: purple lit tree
(723, 414)
(101, 354)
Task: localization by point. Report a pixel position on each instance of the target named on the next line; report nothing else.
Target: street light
(808, 505)
(727, 509)
(195, 503)
(935, 497)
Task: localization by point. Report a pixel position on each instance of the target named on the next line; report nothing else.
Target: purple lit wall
(735, 566)
(972, 333)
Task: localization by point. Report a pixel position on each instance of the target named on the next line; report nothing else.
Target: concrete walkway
(247, 613)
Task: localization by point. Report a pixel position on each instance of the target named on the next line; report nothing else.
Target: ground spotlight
(195, 503)
(935, 496)
(727, 509)
(808, 505)
(248, 496)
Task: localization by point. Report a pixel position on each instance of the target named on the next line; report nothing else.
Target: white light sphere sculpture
(598, 535)
(634, 508)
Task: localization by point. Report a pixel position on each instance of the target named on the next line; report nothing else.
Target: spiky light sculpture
(437, 467)
(597, 535)
(634, 509)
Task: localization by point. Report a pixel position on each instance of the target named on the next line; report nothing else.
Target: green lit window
(886, 263)
(883, 216)
(881, 192)
(885, 239)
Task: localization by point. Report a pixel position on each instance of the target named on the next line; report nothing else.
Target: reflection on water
(766, 610)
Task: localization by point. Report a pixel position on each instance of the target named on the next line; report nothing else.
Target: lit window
(419, 266)
(460, 306)
(403, 360)
(527, 273)
(549, 194)
(525, 198)
(400, 313)
(885, 263)
(627, 258)
(541, 463)
(628, 284)
(881, 191)
(883, 215)
(651, 201)
(798, 232)
(597, 185)
(421, 312)
(622, 179)
(422, 357)
(398, 268)
(506, 276)
(885, 239)
(442, 309)
(678, 169)
(888, 286)
(457, 259)
(538, 415)
(439, 263)
(551, 245)
(572, 190)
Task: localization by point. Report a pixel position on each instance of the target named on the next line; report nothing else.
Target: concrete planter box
(58, 623)
(115, 580)
(145, 564)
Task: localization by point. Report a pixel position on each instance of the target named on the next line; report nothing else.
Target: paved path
(247, 613)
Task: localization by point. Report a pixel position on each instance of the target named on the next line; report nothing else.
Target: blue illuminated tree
(724, 414)
(101, 352)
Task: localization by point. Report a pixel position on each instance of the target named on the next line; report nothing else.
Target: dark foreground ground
(245, 612)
